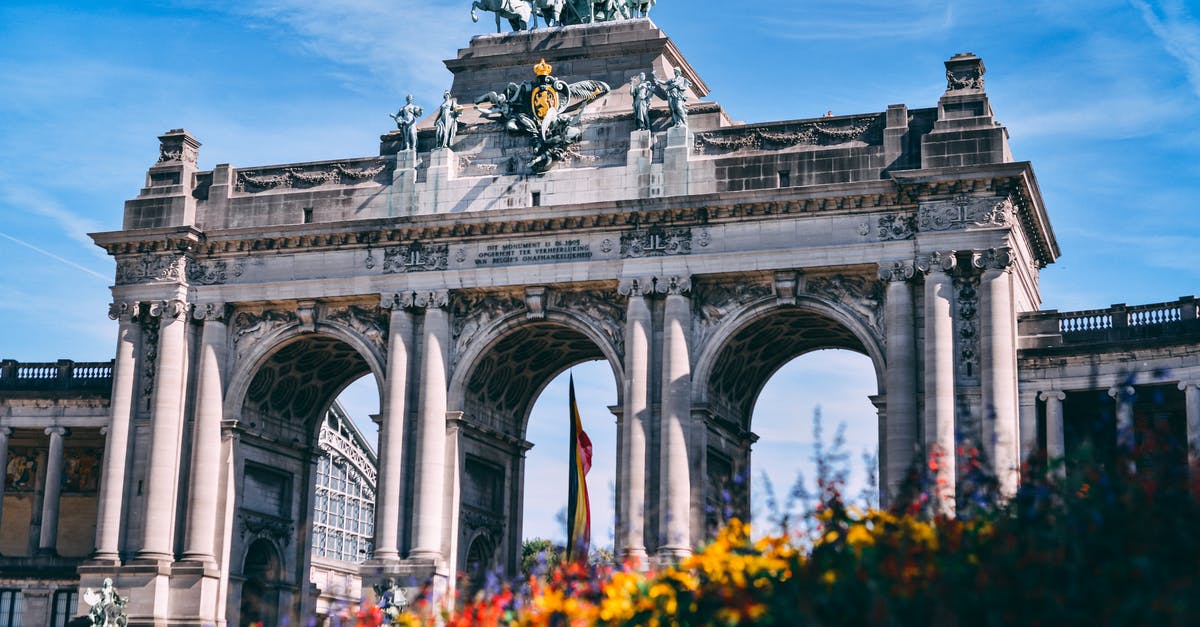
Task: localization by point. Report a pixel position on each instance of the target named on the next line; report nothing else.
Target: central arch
(500, 374)
(731, 372)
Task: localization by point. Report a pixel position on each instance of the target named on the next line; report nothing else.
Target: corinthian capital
(123, 310)
(937, 261)
(636, 286)
(426, 299)
(896, 271)
(215, 312)
(168, 309)
(675, 285)
(993, 258)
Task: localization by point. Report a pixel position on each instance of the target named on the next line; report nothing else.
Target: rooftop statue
(406, 120)
(107, 607)
(676, 96)
(548, 110)
(446, 125)
(642, 91)
(523, 14)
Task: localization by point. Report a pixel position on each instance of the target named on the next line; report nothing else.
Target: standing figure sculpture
(406, 120)
(638, 8)
(549, 10)
(446, 126)
(107, 607)
(517, 12)
(676, 95)
(642, 91)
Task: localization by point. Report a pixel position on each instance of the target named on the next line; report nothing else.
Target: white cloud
(1179, 32)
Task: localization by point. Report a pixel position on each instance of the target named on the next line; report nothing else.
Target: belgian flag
(579, 511)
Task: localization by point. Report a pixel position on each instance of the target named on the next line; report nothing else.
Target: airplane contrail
(54, 256)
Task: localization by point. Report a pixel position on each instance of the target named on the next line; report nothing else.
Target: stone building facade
(695, 259)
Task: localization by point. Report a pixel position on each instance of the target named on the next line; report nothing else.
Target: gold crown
(542, 68)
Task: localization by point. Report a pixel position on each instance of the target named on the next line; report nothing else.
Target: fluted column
(998, 366)
(431, 429)
(53, 489)
(900, 377)
(939, 376)
(1056, 444)
(206, 436)
(631, 517)
(165, 429)
(391, 432)
(1191, 396)
(4, 433)
(110, 504)
(675, 493)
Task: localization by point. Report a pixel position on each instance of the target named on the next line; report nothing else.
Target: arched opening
(260, 590)
(839, 385)
(503, 478)
(815, 353)
(307, 470)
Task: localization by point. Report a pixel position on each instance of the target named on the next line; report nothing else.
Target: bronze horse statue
(517, 12)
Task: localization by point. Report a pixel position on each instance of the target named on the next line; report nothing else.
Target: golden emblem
(542, 100)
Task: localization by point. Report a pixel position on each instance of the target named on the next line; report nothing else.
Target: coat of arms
(547, 109)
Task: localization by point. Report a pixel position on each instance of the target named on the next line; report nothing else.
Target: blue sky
(1103, 96)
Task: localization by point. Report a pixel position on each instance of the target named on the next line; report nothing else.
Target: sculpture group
(548, 110)
(524, 14)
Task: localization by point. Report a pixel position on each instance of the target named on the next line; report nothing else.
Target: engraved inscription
(543, 251)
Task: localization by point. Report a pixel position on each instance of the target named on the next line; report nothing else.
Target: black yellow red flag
(579, 511)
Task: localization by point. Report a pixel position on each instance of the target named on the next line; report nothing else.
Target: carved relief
(366, 321)
(863, 296)
(473, 312)
(830, 133)
(307, 176)
(150, 359)
(897, 227)
(964, 211)
(414, 257)
(967, 322)
(213, 273)
(715, 301)
(993, 259)
(150, 268)
(123, 310)
(416, 300)
(896, 271)
(656, 242)
(210, 311)
(601, 308)
(250, 327)
(263, 526)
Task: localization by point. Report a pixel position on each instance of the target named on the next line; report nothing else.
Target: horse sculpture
(551, 11)
(517, 12)
(639, 8)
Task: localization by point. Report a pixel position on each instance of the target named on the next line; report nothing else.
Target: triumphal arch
(574, 197)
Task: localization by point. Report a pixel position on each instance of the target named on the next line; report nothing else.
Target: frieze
(656, 242)
(261, 525)
(213, 273)
(809, 134)
(861, 295)
(299, 177)
(896, 226)
(414, 257)
(601, 307)
(964, 211)
(366, 321)
(150, 268)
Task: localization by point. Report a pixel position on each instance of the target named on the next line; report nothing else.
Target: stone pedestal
(675, 161)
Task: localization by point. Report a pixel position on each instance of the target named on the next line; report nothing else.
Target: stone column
(1124, 395)
(4, 433)
(675, 487)
(391, 433)
(116, 446)
(631, 525)
(998, 364)
(1191, 395)
(939, 377)
(1029, 428)
(53, 489)
(166, 425)
(206, 436)
(900, 377)
(1056, 445)
(431, 429)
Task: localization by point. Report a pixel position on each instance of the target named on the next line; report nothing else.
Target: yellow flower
(859, 537)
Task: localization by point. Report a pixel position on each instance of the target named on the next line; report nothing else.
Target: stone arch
(499, 375)
(262, 571)
(735, 364)
(472, 364)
